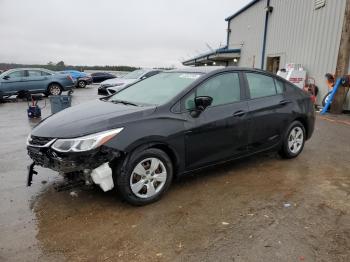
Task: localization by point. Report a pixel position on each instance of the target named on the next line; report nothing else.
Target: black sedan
(171, 124)
(101, 76)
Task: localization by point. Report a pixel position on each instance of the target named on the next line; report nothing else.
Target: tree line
(62, 66)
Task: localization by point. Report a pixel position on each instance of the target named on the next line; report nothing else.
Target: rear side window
(224, 89)
(34, 73)
(260, 85)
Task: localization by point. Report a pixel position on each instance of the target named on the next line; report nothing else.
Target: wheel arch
(53, 82)
(171, 152)
(304, 122)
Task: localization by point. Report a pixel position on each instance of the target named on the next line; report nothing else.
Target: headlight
(85, 143)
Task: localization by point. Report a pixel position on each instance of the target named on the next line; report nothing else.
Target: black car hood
(88, 118)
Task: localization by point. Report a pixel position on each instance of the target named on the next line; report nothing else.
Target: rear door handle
(284, 102)
(239, 113)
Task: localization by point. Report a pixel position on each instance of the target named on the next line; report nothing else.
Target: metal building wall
(247, 33)
(296, 32)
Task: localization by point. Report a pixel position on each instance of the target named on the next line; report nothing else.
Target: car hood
(88, 118)
(115, 81)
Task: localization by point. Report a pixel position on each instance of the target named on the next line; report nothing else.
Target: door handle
(239, 113)
(284, 102)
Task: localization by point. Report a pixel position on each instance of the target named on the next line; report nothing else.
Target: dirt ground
(258, 209)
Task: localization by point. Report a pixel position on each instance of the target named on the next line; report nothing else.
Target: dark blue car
(34, 80)
(81, 78)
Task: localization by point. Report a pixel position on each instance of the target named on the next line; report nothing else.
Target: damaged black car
(171, 124)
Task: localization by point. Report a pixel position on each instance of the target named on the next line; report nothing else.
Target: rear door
(269, 111)
(220, 131)
(36, 80)
(13, 83)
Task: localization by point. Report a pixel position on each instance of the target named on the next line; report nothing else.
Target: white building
(268, 34)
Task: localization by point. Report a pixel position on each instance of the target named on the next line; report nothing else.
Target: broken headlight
(85, 143)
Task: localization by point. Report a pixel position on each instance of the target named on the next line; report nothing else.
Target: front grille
(39, 141)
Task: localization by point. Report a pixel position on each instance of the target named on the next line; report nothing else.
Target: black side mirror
(202, 102)
(6, 77)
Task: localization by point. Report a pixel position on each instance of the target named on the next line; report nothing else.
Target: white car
(112, 86)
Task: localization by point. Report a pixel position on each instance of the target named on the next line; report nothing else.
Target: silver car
(111, 86)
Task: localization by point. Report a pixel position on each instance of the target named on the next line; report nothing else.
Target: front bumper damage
(92, 165)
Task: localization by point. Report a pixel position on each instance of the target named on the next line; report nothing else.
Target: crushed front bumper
(71, 162)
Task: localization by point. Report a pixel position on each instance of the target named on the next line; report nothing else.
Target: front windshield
(157, 89)
(134, 74)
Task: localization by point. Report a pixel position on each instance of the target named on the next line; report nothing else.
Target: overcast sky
(149, 33)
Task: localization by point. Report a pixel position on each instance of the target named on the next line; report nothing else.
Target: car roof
(26, 68)
(209, 69)
(197, 69)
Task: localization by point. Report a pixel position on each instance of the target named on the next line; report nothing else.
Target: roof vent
(319, 4)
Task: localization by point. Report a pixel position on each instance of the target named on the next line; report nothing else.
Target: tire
(325, 99)
(81, 84)
(293, 144)
(137, 182)
(54, 90)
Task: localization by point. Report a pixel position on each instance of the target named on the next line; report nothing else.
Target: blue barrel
(60, 102)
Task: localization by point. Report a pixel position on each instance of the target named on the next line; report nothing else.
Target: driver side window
(223, 88)
(16, 74)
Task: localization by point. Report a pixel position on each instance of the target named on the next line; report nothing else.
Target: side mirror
(202, 102)
(6, 77)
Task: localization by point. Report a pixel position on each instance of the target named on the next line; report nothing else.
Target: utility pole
(342, 62)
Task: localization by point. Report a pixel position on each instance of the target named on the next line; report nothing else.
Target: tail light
(70, 78)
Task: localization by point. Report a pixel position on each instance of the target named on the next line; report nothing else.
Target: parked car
(111, 86)
(34, 80)
(99, 77)
(171, 124)
(81, 79)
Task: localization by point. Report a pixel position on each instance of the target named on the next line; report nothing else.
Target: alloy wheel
(148, 177)
(295, 140)
(55, 90)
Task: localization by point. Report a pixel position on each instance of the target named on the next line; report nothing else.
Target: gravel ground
(258, 209)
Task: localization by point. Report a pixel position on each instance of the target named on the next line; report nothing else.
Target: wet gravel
(258, 209)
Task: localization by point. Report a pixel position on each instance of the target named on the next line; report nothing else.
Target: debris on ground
(287, 205)
(73, 194)
(225, 223)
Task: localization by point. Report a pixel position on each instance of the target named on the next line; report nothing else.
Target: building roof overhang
(221, 55)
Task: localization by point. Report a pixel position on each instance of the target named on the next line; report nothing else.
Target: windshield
(134, 74)
(157, 89)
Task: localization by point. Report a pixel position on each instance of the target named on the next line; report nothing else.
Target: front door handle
(239, 113)
(284, 102)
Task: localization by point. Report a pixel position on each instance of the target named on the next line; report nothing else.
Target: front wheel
(294, 140)
(81, 84)
(54, 90)
(145, 177)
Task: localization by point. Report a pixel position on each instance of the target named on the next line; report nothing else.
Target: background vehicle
(99, 77)
(174, 123)
(81, 79)
(34, 80)
(113, 85)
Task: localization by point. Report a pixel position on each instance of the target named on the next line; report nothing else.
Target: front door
(220, 131)
(12, 82)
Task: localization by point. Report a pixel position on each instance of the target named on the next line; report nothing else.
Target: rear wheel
(54, 89)
(81, 83)
(294, 140)
(145, 177)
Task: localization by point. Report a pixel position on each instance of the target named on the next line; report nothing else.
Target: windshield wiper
(124, 102)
